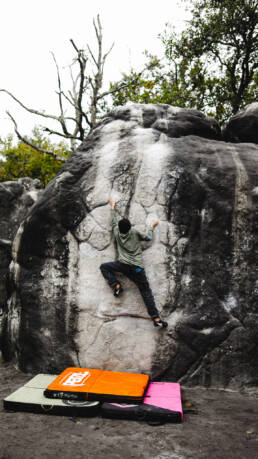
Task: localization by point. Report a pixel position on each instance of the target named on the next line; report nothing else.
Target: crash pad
(30, 398)
(92, 384)
(162, 403)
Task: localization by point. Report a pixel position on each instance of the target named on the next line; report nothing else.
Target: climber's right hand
(112, 203)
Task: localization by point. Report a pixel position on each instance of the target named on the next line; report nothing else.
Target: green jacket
(129, 245)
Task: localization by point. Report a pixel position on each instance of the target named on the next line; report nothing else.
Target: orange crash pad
(92, 384)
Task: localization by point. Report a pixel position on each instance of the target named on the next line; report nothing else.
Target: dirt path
(226, 427)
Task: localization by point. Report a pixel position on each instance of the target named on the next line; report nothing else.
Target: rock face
(16, 198)
(243, 127)
(157, 162)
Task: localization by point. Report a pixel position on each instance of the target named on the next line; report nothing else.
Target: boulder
(16, 198)
(243, 127)
(157, 162)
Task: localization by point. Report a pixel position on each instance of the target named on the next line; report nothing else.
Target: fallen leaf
(188, 404)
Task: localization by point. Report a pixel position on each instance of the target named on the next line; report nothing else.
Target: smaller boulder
(243, 127)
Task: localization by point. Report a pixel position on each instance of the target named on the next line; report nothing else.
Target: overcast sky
(31, 29)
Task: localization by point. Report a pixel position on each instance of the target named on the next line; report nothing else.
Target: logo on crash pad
(75, 379)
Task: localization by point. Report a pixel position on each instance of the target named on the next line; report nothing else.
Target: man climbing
(130, 263)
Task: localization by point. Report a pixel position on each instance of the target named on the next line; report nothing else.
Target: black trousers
(135, 274)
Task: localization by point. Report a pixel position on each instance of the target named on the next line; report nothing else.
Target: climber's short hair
(124, 225)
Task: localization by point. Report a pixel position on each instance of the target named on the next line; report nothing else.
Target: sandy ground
(225, 426)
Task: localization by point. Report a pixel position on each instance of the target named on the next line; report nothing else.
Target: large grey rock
(202, 264)
(16, 198)
(243, 127)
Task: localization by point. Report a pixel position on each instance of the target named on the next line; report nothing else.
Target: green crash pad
(30, 398)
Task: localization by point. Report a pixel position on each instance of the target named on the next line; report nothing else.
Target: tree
(161, 82)
(84, 102)
(212, 64)
(222, 37)
(146, 86)
(21, 160)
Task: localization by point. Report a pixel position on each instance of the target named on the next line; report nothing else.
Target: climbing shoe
(160, 323)
(117, 290)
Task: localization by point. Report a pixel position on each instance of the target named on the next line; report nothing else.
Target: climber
(130, 263)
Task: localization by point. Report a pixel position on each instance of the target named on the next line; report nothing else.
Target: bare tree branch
(24, 140)
(31, 110)
(74, 45)
(112, 91)
(92, 56)
(84, 96)
(98, 28)
(78, 94)
(62, 119)
(67, 98)
(35, 112)
(85, 116)
(98, 76)
(108, 52)
(66, 136)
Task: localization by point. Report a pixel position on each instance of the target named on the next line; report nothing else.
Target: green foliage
(222, 39)
(21, 160)
(212, 65)
(144, 87)
(155, 84)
